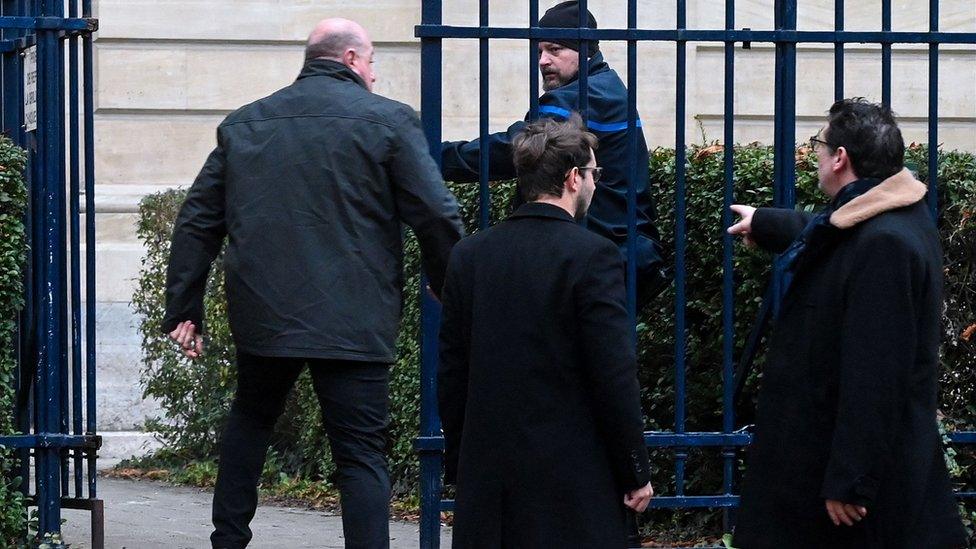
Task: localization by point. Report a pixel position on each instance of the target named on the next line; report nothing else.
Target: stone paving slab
(150, 515)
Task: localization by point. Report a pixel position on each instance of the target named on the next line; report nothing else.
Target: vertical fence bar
(886, 54)
(483, 85)
(786, 106)
(75, 192)
(430, 461)
(632, 170)
(63, 304)
(680, 453)
(533, 62)
(89, 160)
(37, 257)
(728, 302)
(934, 112)
(584, 66)
(50, 132)
(785, 128)
(632, 175)
(838, 51)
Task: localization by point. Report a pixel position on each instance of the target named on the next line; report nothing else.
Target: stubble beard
(582, 205)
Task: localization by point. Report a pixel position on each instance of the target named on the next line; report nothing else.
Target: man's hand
(744, 226)
(845, 512)
(191, 343)
(639, 498)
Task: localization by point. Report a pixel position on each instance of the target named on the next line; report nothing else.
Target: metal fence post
(430, 457)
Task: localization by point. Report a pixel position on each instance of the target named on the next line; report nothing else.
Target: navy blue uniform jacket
(607, 119)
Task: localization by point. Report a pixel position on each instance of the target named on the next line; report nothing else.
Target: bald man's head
(344, 41)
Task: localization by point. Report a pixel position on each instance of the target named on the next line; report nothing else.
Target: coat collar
(328, 67)
(898, 191)
(594, 65)
(541, 209)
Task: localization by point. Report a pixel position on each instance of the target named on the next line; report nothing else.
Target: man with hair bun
(537, 386)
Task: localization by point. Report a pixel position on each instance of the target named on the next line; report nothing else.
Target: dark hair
(333, 46)
(545, 150)
(870, 135)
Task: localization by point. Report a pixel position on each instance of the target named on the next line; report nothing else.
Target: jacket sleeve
(877, 352)
(611, 365)
(197, 237)
(452, 373)
(774, 229)
(461, 160)
(422, 199)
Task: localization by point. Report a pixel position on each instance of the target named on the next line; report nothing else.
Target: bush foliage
(13, 247)
(195, 395)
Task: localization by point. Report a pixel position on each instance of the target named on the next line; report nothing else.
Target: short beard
(546, 86)
(581, 207)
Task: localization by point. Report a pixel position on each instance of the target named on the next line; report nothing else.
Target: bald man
(309, 186)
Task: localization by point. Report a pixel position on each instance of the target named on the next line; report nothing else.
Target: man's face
(558, 65)
(587, 186)
(825, 160)
(362, 64)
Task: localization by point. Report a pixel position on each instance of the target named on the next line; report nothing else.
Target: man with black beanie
(606, 117)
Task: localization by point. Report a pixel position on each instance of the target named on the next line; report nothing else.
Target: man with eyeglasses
(847, 452)
(607, 119)
(537, 386)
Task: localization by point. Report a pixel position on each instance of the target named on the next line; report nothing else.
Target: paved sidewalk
(148, 515)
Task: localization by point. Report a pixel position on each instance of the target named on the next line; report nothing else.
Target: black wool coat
(538, 388)
(847, 403)
(310, 187)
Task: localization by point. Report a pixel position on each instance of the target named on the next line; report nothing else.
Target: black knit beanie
(566, 14)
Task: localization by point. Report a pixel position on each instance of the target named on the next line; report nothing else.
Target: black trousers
(355, 412)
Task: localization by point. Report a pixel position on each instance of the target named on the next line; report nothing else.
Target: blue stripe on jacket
(591, 124)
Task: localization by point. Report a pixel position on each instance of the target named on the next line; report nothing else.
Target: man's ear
(349, 57)
(571, 183)
(843, 160)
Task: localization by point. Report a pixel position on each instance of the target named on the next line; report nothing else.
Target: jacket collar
(541, 209)
(328, 67)
(594, 65)
(898, 191)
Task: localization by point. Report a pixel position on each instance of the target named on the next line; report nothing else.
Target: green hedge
(195, 395)
(13, 201)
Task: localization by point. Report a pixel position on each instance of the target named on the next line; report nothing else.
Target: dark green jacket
(310, 186)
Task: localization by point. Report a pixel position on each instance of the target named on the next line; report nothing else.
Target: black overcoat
(310, 187)
(847, 404)
(538, 387)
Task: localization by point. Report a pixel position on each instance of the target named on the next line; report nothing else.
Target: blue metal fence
(785, 37)
(55, 381)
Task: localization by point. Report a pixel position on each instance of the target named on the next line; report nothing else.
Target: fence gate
(785, 37)
(47, 109)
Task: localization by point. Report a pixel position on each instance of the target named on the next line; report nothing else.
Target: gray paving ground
(150, 515)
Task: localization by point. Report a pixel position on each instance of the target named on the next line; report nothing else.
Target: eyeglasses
(597, 171)
(816, 139)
